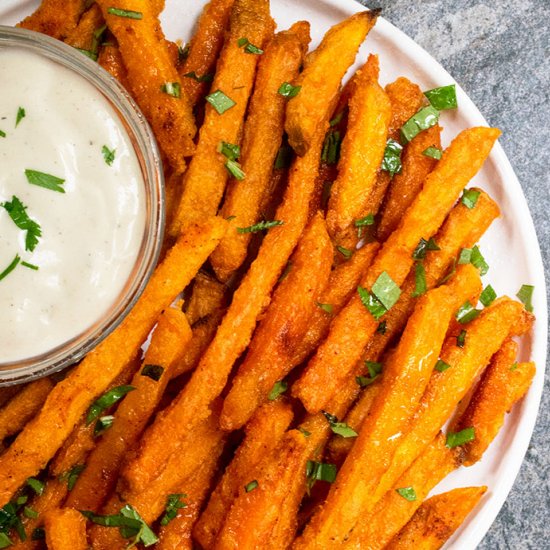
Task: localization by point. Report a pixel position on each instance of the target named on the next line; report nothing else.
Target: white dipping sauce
(91, 234)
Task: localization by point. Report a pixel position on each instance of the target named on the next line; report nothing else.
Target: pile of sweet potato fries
(295, 395)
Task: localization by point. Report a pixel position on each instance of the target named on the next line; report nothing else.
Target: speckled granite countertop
(499, 52)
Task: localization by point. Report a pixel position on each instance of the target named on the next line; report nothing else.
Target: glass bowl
(146, 151)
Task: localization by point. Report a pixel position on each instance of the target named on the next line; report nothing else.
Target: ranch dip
(72, 205)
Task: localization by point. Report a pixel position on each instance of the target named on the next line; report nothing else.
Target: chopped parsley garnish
(331, 147)
(385, 289)
(284, 157)
(433, 153)
(374, 369)
(108, 155)
(361, 223)
(320, 471)
(30, 513)
(2, 134)
(278, 389)
(125, 13)
(129, 522)
(172, 89)
(367, 220)
(108, 399)
(475, 257)
(345, 252)
(420, 285)
(10, 519)
(103, 424)
(305, 433)
(248, 46)
(88, 53)
(461, 339)
(30, 266)
(232, 153)
(514, 367)
(382, 327)
(391, 162)
(469, 198)
(466, 313)
(375, 307)
(10, 267)
(36, 485)
(288, 90)
(325, 307)
(441, 366)
(337, 119)
(154, 372)
(208, 77)
(443, 98)
(21, 114)
(460, 438)
(260, 226)
(234, 168)
(422, 120)
(488, 296)
(422, 248)
(220, 101)
(408, 493)
(53, 183)
(229, 150)
(339, 428)
(18, 213)
(525, 294)
(71, 476)
(251, 486)
(173, 504)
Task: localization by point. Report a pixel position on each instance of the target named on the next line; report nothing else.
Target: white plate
(510, 245)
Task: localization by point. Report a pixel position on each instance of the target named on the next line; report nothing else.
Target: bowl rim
(148, 156)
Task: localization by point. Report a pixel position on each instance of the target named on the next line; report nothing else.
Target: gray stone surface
(499, 52)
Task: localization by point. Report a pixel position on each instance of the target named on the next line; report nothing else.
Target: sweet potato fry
(23, 407)
(437, 519)
(9, 392)
(406, 185)
(406, 375)
(405, 98)
(204, 182)
(284, 323)
(262, 138)
(98, 479)
(462, 229)
(151, 503)
(263, 433)
(204, 49)
(354, 325)
(86, 35)
(502, 384)
(42, 437)
(254, 513)
(394, 511)
(176, 535)
(361, 155)
(235, 331)
(150, 70)
(57, 18)
(206, 296)
(342, 283)
(339, 447)
(323, 72)
(485, 336)
(111, 60)
(66, 530)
